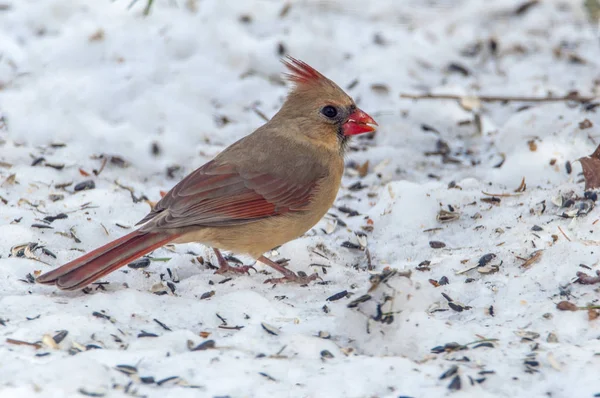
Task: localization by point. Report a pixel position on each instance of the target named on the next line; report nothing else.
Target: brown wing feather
(220, 195)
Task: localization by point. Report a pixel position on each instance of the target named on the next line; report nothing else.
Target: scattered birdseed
(143, 333)
(143, 262)
(338, 296)
(326, 354)
(270, 329)
(162, 325)
(208, 344)
(84, 185)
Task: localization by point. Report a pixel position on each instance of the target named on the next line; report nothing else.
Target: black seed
(453, 67)
(523, 8)
(147, 380)
(208, 344)
(591, 195)
(37, 161)
(48, 252)
(41, 226)
(162, 325)
(143, 333)
(443, 281)
(486, 258)
(85, 185)
(350, 245)
(326, 354)
(455, 384)
(568, 167)
(450, 372)
(139, 263)
(537, 228)
(434, 244)
(155, 149)
(100, 315)
(357, 186)
(455, 307)
(361, 299)
(484, 344)
(426, 127)
(59, 216)
(207, 295)
(127, 369)
(349, 211)
(60, 336)
(267, 376)
(83, 391)
(338, 296)
(165, 380)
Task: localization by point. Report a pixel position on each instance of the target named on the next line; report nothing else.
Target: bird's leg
(224, 266)
(288, 276)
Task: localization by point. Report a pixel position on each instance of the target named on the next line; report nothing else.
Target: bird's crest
(302, 74)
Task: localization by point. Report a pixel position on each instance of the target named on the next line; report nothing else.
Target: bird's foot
(242, 269)
(288, 276)
(300, 278)
(224, 266)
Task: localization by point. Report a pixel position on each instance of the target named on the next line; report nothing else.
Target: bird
(266, 189)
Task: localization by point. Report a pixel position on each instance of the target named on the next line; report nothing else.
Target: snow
(104, 79)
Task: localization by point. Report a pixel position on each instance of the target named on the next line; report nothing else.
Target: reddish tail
(104, 260)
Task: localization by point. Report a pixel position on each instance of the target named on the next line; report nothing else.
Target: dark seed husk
(361, 299)
(455, 384)
(269, 329)
(208, 344)
(143, 262)
(338, 296)
(85, 185)
(486, 259)
(60, 336)
(127, 369)
(450, 372)
(326, 354)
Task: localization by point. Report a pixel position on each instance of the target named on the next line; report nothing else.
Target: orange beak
(358, 123)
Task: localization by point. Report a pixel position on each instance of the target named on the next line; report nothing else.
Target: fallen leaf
(591, 169)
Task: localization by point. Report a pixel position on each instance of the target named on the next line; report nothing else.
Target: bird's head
(321, 108)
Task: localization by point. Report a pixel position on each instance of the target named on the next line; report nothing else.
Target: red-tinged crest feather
(301, 73)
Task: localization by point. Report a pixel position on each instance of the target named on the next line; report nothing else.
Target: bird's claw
(300, 278)
(243, 269)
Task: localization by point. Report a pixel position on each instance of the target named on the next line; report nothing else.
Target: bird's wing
(221, 195)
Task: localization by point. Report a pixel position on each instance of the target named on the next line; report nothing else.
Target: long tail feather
(86, 269)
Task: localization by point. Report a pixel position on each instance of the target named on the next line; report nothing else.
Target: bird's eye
(329, 111)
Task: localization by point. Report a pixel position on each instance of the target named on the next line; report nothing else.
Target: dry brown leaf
(591, 169)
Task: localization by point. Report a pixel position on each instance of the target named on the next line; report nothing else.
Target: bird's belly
(254, 238)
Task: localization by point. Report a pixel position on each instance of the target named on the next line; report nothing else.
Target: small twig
(563, 232)
(500, 98)
(503, 195)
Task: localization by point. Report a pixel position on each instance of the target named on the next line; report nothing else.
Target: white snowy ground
(82, 79)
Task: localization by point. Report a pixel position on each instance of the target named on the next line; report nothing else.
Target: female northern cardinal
(264, 190)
